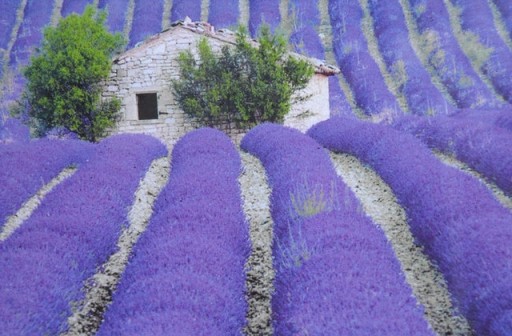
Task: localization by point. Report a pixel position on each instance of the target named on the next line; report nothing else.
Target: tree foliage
(244, 84)
(64, 77)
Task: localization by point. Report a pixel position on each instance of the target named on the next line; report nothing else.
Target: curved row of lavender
(483, 147)
(223, 13)
(182, 8)
(263, 11)
(336, 274)
(447, 58)
(476, 17)
(393, 39)
(456, 219)
(356, 63)
(8, 10)
(37, 14)
(26, 167)
(500, 117)
(116, 13)
(147, 20)
(187, 273)
(505, 9)
(305, 40)
(75, 229)
(73, 6)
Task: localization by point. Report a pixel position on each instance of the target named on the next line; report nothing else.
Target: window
(147, 106)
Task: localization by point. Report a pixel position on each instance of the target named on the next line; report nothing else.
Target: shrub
(244, 84)
(64, 78)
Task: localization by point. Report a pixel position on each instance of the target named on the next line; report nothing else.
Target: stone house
(141, 79)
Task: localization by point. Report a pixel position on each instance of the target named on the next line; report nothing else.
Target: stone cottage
(141, 77)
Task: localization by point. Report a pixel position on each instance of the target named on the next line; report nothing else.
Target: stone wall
(150, 67)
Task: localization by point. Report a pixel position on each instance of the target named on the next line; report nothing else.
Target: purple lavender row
(37, 15)
(485, 148)
(455, 217)
(45, 263)
(223, 13)
(499, 117)
(263, 11)
(183, 8)
(355, 61)
(187, 274)
(336, 274)
(8, 10)
(306, 40)
(74, 6)
(505, 8)
(12, 130)
(147, 20)
(447, 58)
(393, 39)
(26, 167)
(116, 13)
(476, 17)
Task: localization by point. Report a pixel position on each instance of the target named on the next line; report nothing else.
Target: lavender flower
(223, 13)
(336, 274)
(73, 232)
(263, 11)
(392, 36)
(483, 147)
(26, 167)
(447, 58)
(476, 17)
(116, 13)
(183, 8)
(456, 219)
(74, 6)
(187, 274)
(147, 20)
(355, 61)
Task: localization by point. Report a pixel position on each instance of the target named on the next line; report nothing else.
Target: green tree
(245, 83)
(64, 77)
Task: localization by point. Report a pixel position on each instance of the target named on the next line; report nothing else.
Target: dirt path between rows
(426, 281)
(260, 273)
(88, 315)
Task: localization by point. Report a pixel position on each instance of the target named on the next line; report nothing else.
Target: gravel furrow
(260, 273)
(426, 281)
(15, 221)
(88, 314)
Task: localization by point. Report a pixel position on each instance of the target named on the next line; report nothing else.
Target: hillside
(393, 217)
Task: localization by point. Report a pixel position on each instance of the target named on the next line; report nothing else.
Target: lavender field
(392, 217)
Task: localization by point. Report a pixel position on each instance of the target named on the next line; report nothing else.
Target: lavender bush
(183, 8)
(263, 11)
(187, 274)
(447, 58)
(393, 37)
(13, 130)
(26, 167)
(505, 9)
(7, 19)
(305, 40)
(483, 147)
(355, 61)
(147, 20)
(497, 117)
(74, 6)
(116, 13)
(476, 17)
(37, 14)
(336, 274)
(456, 219)
(73, 232)
(223, 13)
